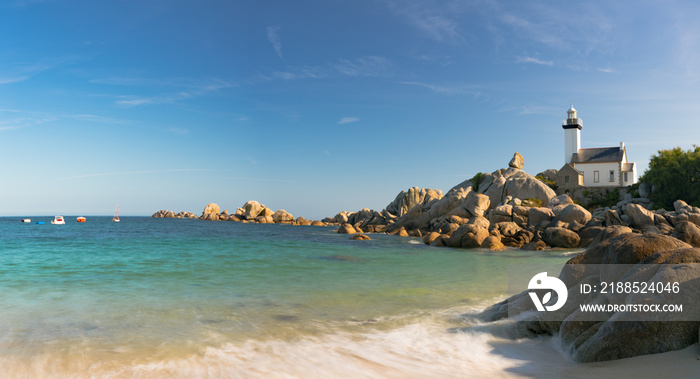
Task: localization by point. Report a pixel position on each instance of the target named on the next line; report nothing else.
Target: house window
(612, 175)
(566, 179)
(625, 176)
(596, 176)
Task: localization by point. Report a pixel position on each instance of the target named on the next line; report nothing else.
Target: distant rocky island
(251, 212)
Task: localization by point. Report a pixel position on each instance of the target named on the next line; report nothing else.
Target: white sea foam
(418, 350)
(427, 348)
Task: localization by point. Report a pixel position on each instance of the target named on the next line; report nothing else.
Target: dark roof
(601, 154)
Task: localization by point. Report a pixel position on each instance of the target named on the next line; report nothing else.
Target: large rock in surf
(560, 237)
(620, 334)
(347, 229)
(468, 236)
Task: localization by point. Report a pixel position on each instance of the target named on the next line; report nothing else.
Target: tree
(674, 174)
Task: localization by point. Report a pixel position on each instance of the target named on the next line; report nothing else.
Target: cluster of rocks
(170, 214)
(496, 209)
(511, 208)
(251, 212)
(618, 255)
(377, 222)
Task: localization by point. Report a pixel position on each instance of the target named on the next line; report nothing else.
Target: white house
(596, 167)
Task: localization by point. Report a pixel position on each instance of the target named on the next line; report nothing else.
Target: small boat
(39, 222)
(81, 219)
(116, 215)
(26, 220)
(58, 220)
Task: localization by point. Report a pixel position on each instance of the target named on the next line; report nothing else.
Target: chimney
(622, 146)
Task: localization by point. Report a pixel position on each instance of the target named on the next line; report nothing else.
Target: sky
(321, 106)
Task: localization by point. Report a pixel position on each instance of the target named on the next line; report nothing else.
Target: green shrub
(607, 199)
(477, 179)
(551, 184)
(674, 174)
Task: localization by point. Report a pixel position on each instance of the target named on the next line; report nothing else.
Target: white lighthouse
(592, 167)
(572, 134)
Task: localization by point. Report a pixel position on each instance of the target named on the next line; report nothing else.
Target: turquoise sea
(188, 298)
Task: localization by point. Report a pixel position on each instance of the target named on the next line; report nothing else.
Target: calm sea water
(187, 298)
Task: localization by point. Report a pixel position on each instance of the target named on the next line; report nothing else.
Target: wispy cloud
(135, 172)
(434, 21)
(607, 70)
(446, 90)
(347, 120)
(22, 119)
(132, 101)
(364, 66)
(304, 72)
(373, 65)
(528, 22)
(95, 118)
(131, 81)
(190, 89)
(178, 131)
(275, 40)
(534, 60)
(8, 80)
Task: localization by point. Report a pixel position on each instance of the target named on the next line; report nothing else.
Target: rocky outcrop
(252, 211)
(639, 216)
(476, 204)
(495, 196)
(528, 187)
(303, 221)
(211, 208)
(493, 243)
(404, 201)
(560, 237)
(360, 237)
(687, 232)
(347, 229)
(560, 200)
(170, 214)
(539, 216)
(574, 213)
(468, 236)
(282, 217)
(517, 161)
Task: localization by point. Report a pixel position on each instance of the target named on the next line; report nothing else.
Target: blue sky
(321, 106)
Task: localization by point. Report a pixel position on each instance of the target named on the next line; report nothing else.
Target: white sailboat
(116, 215)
